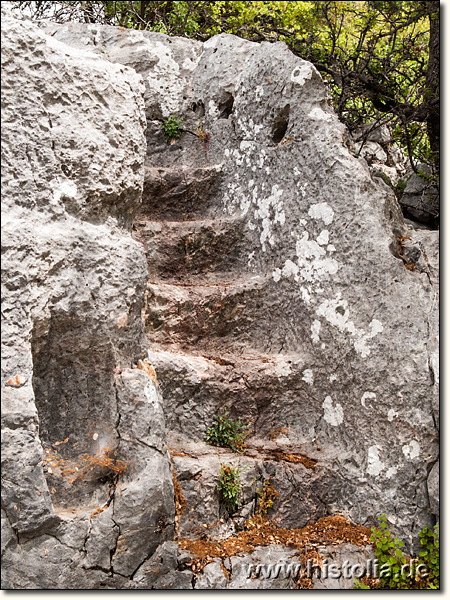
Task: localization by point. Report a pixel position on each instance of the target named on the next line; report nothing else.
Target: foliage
(229, 486)
(388, 551)
(429, 540)
(171, 128)
(227, 432)
(397, 571)
(400, 188)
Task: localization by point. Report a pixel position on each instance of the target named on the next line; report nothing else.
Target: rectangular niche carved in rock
(73, 382)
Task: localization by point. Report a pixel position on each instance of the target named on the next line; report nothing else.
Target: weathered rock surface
(266, 567)
(433, 489)
(276, 287)
(373, 144)
(341, 565)
(299, 484)
(86, 481)
(420, 199)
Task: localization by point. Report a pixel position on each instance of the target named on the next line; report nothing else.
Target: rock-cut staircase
(203, 304)
(202, 307)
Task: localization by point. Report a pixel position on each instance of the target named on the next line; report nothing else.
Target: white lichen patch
(308, 249)
(63, 189)
(308, 376)
(367, 396)
(391, 472)
(269, 211)
(290, 269)
(318, 114)
(315, 330)
(312, 262)
(322, 211)
(323, 238)
(247, 145)
(213, 110)
(306, 295)
(411, 450)
(392, 414)
(282, 367)
(375, 327)
(332, 378)
(374, 464)
(334, 415)
(336, 312)
(151, 394)
(276, 275)
(302, 72)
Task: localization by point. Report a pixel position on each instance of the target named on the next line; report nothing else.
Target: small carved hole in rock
(65, 169)
(198, 108)
(226, 105)
(280, 125)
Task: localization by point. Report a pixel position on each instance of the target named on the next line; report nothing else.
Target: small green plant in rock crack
(203, 136)
(229, 486)
(397, 571)
(429, 541)
(400, 188)
(227, 432)
(171, 128)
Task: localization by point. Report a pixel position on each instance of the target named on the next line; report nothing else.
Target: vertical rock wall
(87, 490)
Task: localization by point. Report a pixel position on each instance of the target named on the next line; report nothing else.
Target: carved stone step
(195, 388)
(180, 193)
(298, 485)
(179, 249)
(187, 314)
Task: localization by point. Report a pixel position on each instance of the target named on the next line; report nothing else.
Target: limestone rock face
(266, 567)
(433, 489)
(85, 471)
(373, 143)
(280, 285)
(420, 198)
